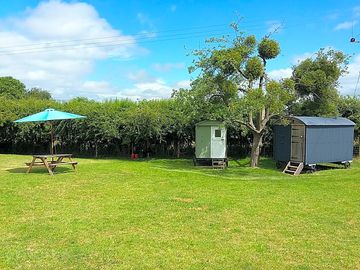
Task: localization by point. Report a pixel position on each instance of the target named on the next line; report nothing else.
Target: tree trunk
(178, 149)
(256, 148)
(147, 149)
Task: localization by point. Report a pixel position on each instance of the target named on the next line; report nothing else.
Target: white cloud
(151, 88)
(157, 89)
(56, 45)
(147, 90)
(348, 82)
(299, 58)
(140, 76)
(166, 67)
(97, 87)
(182, 84)
(145, 86)
(345, 25)
(147, 34)
(278, 74)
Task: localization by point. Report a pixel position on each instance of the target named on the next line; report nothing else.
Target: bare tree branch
(247, 125)
(275, 30)
(242, 90)
(251, 122)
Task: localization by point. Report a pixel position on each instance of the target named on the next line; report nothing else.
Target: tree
(316, 81)
(38, 93)
(11, 88)
(349, 107)
(208, 98)
(100, 130)
(241, 63)
(146, 123)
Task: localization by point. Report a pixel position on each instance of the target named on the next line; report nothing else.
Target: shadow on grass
(186, 163)
(265, 163)
(238, 168)
(23, 170)
(330, 166)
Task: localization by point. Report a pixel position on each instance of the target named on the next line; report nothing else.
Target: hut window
(217, 133)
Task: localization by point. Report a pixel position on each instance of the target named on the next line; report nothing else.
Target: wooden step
(293, 168)
(218, 164)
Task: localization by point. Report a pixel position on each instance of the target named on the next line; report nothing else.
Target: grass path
(167, 214)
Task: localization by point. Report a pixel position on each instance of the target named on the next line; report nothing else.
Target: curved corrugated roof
(324, 121)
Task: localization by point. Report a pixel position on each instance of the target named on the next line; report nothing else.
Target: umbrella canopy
(49, 115)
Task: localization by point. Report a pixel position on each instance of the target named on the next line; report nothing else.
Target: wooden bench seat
(64, 162)
(52, 164)
(35, 164)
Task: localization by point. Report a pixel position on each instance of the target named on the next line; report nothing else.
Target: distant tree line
(232, 85)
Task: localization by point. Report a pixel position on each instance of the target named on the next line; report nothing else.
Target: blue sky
(63, 46)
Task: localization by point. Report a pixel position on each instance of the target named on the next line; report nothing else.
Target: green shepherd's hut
(210, 144)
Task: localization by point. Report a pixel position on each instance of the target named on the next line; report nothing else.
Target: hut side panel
(203, 142)
(329, 144)
(282, 143)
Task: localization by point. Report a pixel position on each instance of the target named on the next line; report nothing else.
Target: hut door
(297, 143)
(218, 144)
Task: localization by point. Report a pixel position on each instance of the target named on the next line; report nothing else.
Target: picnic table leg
(59, 159)
(73, 165)
(44, 160)
(31, 165)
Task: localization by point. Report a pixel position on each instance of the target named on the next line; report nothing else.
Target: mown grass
(167, 214)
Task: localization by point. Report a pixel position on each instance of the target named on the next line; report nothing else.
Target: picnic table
(50, 162)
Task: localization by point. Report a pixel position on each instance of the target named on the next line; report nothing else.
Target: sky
(142, 49)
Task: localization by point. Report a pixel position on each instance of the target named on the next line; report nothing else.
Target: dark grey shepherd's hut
(307, 141)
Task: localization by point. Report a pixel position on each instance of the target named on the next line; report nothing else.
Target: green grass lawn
(167, 214)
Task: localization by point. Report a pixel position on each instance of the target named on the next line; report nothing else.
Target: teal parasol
(49, 115)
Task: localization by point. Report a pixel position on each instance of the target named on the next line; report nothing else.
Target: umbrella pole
(52, 141)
